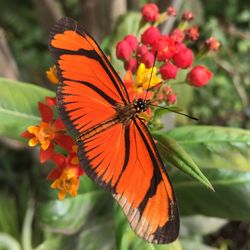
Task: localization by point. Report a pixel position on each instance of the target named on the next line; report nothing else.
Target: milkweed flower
(212, 44)
(131, 65)
(123, 50)
(171, 11)
(165, 47)
(192, 33)
(52, 75)
(132, 41)
(50, 131)
(168, 71)
(150, 35)
(187, 16)
(150, 12)
(199, 76)
(146, 77)
(66, 174)
(184, 58)
(177, 35)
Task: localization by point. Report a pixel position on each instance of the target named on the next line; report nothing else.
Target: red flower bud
(192, 33)
(131, 65)
(212, 44)
(177, 35)
(183, 58)
(171, 11)
(168, 71)
(132, 41)
(142, 49)
(187, 16)
(123, 50)
(150, 12)
(165, 47)
(199, 76)
(150, 35)
(171, 98)
(148, 59)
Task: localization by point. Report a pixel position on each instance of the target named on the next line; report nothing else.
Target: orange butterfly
(116, 149)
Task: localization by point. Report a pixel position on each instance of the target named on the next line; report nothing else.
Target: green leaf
(18, 106)
(96, 235)
(230, 199)
(213, 146)
(27, 227)
(200, 225)
(174, 154)
(191, 244)
(8, 214)
(8, 242)
(69, 215)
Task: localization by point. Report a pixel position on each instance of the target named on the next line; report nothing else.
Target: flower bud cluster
(168, 54)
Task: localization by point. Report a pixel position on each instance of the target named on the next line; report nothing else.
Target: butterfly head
(140, 105)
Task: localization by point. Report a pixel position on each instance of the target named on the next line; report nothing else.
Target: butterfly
(115, 148)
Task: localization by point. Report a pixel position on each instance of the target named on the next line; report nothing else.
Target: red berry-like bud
(168, 71)
(123, 50)
(165, 47)
(150, 35)
(187, 16)
(131, 65)
(199, 76)
(171, 11)
(177, 35)
(148, 59)
(141, 50)
(212, 44)
(192, 33)
(132, 41)
(167, 90)
(150, 12)
(171, 98)
(183, 58)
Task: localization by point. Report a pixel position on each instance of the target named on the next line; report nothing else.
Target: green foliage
(18, 106)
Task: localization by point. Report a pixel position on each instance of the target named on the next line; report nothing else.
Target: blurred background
(24, 56)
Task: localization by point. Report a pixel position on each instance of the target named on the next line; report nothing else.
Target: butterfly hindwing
(144, 190)
(119, 156)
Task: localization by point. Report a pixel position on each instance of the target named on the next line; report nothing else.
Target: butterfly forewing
(119, 156)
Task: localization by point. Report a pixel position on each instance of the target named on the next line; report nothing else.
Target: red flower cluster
(49, 133)
(170, 52)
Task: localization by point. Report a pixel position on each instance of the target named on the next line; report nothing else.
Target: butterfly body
(115, 148)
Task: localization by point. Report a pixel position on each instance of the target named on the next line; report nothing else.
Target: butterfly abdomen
(97, 129)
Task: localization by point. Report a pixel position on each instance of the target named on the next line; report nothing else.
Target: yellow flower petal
(147, 78)
(33, 129)
(61, 195)
(67, 183)
(75, 161)
(52, 75)
(54, 185)
(33, 142)
(45, 144)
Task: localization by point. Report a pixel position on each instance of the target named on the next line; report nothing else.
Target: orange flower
(66, 175)
(52, 75)
(68, 182)
(48, 132)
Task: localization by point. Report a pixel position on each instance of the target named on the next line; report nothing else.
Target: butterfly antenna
(151, 75)
(190, 117)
